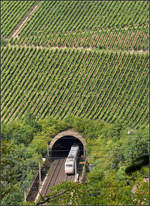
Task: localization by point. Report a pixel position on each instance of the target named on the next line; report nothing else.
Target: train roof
(68, 161)
(74, 148)
(75, 145)
(72, 153)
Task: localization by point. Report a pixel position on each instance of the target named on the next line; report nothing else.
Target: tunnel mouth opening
(63, 145)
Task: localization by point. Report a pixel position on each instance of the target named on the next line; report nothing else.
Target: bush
(19, 132)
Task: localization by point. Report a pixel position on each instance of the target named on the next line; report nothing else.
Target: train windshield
(69, 165)
(70, 158)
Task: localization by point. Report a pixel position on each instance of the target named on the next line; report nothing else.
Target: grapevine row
(84, 83)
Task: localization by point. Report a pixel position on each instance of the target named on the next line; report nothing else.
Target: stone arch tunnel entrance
(61, 144)
(53, 170)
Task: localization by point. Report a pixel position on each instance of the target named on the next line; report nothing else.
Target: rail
(55, 174)
(35, 186)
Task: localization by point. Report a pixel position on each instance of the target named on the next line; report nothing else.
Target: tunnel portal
(61, 144)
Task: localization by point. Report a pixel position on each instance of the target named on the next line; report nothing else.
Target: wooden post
(47, 150)
(75, 168)
(39, 174)
(25, 196)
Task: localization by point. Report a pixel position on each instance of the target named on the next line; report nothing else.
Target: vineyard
(95, 85)
(123, 25)
(11, 14)
(82, 65)
(86, 58)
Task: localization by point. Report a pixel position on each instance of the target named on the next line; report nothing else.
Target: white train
(71, 159)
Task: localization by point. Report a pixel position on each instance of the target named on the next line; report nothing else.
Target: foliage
(71, 193)
(7, 162)
(19, 164)
(30, 119)
(106, 191)
(89, 128)
(131, 147)
(110, 149)
(19, 132)
(47, 122)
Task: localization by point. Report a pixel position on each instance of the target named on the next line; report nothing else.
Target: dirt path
(139, 52)
(24, 20)
(80, 48)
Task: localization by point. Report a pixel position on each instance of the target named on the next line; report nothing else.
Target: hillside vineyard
(11, 14)
(75, 72)
(103, 25)
(96, 85)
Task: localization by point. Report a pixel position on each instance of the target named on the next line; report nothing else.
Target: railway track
(56, 175)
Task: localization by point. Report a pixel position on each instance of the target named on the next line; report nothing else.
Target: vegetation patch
(107, 183)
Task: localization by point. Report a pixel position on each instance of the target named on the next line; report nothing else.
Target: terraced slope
(95, 24)
(96, 85)
(12, 13)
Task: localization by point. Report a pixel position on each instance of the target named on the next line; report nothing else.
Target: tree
(30, 119)
(8, 177)
(19, 165)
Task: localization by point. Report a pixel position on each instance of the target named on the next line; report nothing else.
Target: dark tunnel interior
(62, 146)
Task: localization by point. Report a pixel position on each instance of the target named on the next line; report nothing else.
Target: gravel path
(80, 48)
(24, 20)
